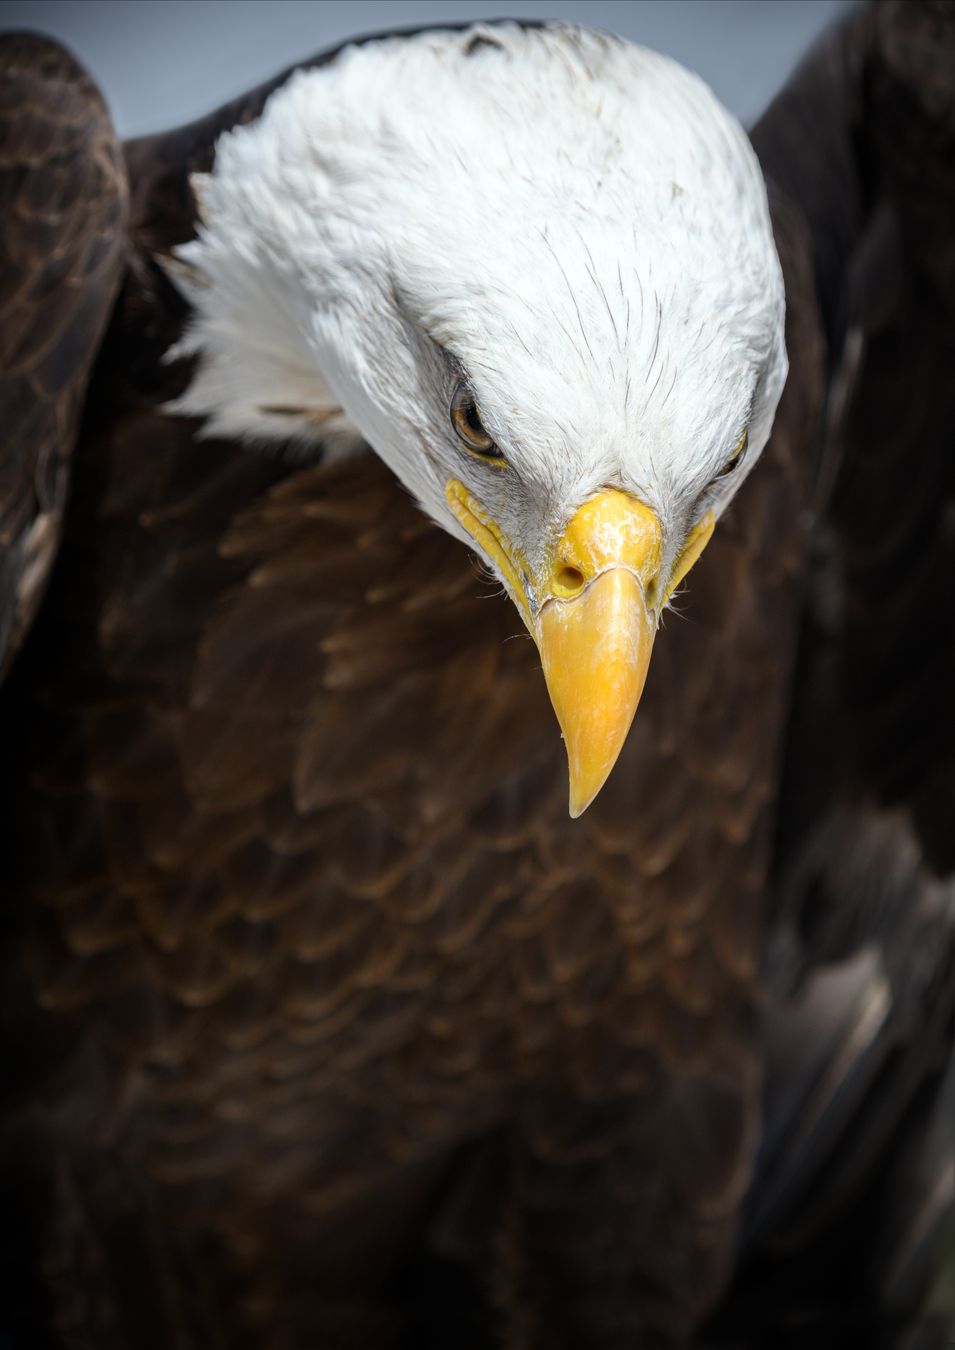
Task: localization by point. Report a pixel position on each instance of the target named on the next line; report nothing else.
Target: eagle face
(534, 270)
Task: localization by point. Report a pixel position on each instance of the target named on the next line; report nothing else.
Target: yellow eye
(469, 428)
(738, 452)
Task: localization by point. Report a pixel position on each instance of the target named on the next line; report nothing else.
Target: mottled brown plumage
(322, 1015)
(60, 275)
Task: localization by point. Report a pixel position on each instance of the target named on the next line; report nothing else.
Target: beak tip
(582, 798)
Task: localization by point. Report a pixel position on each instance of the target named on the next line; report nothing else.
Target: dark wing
(62, 221)
(860, 148)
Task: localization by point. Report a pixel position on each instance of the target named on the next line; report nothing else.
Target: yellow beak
(595, 650)
(595, 632)
(592, 610)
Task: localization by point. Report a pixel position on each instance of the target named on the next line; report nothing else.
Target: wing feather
(861, 146)
(63, 206)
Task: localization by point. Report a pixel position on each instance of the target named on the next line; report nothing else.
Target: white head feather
(571, 220)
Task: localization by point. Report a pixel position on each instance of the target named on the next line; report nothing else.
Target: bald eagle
(325, 1023)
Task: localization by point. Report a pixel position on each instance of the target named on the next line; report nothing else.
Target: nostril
(569, 580)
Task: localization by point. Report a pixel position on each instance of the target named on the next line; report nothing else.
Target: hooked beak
(593, 611)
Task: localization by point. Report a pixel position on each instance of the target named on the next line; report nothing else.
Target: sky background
(162, 62)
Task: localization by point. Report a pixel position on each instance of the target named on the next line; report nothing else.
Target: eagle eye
(737, 454)
(470, 430)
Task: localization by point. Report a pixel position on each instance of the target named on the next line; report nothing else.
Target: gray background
(161, 62)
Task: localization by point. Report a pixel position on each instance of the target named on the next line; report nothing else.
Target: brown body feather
(301, 917)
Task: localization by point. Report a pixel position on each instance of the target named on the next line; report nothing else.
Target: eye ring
(469, 429)
(738, 453)
(730, 464)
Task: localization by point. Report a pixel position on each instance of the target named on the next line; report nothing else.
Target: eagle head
(533, 267)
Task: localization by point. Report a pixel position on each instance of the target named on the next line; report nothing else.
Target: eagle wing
(62, 222)
(859, 149)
